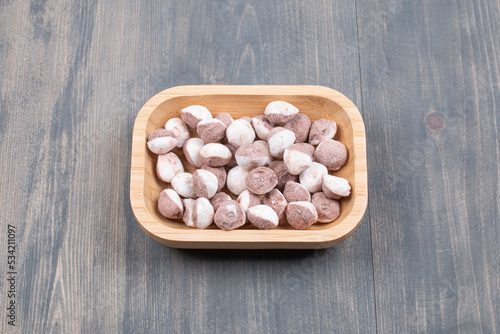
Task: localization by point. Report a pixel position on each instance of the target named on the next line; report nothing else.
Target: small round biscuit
(240, 132)
(295, 192)
(263, 217)
(187, 218)
(225, 118)
(236, 180)
(282, 173)
(211, 130)
(168, 166)
(301, 215)
(170, 204)
(335, 187)
(203, 213)
(328, 209)
(221, 174)
(312, 177)
(161, 141)
(230, 215)
(191, 150)
(276, 201)
(261, 180)
(179, 129)
(280, 112)
(279, 139)
(300, 125)
(298, 157)
(322, 129)
(215, 155)
(331, 153)
(218, 199)
(192, 115)
(204, 183)
(262, 126)
(253, 155)
(247, 200)
(183, 184)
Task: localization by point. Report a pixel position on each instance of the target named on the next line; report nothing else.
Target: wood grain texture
(430, 86)
(73, 76)
(318, 102)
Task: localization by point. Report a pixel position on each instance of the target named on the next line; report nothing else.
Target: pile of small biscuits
(272, 177)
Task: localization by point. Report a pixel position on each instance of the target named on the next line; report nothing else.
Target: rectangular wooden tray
(315, 101)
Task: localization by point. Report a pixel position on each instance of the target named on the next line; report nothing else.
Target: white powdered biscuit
(262, 126)
(179, 129)
(168, 166)
(203, 213)
(191, 151)
(215, 154)
(312, 177)
(263, 217)
(161, 141)
(335, 187)
(279, 139)
(211, 130)
(280, 112)
(247, 200)
(240, 132)
(298, 158)
(236, 180)
(301, 215)
(253, 155)
(205, 183)
(183, 184)
(170, 204)
(192, 115)
(187, 218)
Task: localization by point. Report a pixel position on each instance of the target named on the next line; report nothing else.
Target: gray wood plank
(430, 95)
(72, 79)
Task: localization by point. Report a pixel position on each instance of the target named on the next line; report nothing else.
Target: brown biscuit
(300, 125)
(282, 173)
(221, 174)
(301, 215)
(261, 180)
(230, 215)
(328, 209)
(295, 192)
(276, 201)
(331, 153)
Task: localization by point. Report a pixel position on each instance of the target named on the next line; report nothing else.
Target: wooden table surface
(426, 78)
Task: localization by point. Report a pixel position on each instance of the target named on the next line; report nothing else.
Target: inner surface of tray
(247, 105)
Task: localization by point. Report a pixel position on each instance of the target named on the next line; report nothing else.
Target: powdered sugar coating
(183, 185)
(170, 204)
(335, 187)
(247, 200)
(161, 141)
(203, 213)
(262, 126)
(312, 177)
(211, 130)
(168, 166)
(236, 180)
(280, 112)
(204, 183)
(279, 139)
(301, 215)
(221, 174)
(192, 115)
(298, 158)
(215, 154)
(191, 151)
(240, 132)
(263, 217)
(179, 129)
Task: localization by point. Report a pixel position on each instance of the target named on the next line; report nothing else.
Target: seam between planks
(368, 206)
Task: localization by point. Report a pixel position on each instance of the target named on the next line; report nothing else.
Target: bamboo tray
(315, 101)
